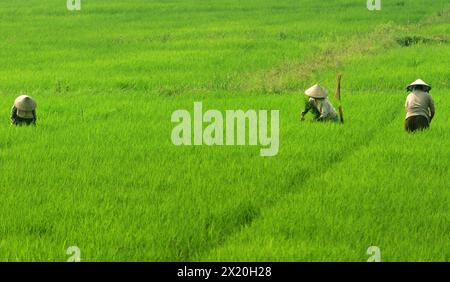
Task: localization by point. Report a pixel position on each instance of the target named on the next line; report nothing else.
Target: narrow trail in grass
(381, 39)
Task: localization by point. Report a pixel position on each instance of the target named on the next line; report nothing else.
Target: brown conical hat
(316, 91)
(418, 82)
(25, 103)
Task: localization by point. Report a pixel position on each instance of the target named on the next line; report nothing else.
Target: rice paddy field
(100, 172)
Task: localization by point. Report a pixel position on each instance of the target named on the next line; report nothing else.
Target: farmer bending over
(419, 106)
(23, 111)
(319, 105)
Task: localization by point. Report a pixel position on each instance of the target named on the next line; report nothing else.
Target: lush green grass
(101, 173)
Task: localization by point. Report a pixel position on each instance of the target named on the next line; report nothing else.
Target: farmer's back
(419, 106)
(419, 103)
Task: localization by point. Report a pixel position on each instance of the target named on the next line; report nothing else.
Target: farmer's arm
(13, 114)
(432, 108)
(322, 116)
(34, 116)
(308, 107)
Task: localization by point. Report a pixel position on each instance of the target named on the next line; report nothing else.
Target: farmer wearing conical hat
(23, 111)
(319, 104)
(419, 106)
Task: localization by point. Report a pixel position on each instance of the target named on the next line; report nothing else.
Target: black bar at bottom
(225, 271)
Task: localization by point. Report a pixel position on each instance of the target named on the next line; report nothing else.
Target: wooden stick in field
(338, 96)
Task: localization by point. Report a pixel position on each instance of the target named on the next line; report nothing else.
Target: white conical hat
(418, 82)
(316, 91)
(25, 103)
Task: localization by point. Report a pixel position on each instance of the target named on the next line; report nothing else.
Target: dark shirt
(311, 107)
(322, 110)
(16, 120)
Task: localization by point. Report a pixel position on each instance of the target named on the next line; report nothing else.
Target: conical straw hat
(316, 91)
(25, 103)
(418, 82)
